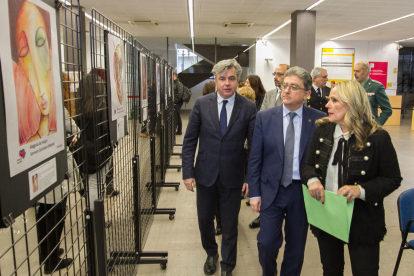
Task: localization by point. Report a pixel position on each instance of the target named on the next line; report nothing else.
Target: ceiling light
(405, 39)
(191, 20)
(288, 22)
(65, 2)
(251, 46)
(399, 18)
(314, 5)
(102, 25)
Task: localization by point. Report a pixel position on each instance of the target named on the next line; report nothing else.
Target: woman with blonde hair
(351, 155)
(248, 93)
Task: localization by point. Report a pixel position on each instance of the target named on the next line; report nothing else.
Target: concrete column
(302, 39)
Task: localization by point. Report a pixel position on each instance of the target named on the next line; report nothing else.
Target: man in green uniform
(376, 92)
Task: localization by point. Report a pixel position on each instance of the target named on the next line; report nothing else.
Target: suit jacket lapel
(214, 112)
(306, 129)
(278, 123)
(235, 113)
(279, 100)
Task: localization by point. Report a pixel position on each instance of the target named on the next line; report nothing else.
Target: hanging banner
(379, 71)
(29, 54)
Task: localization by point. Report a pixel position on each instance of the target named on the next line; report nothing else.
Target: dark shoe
(255, 223)
(248, 203)
(63, 263)
(112, 192)
(210, 266)
(226, 273)
(61, 251)
(179, 133)
(218, 230)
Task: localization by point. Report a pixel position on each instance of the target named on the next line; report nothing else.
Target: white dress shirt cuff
(313, 179)
(362, 195)
(255, 197)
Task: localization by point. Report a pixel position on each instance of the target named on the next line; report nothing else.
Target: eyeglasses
(277, 74)
(293, 87)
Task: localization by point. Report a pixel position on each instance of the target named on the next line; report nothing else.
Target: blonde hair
(358, 119)
(248, 93)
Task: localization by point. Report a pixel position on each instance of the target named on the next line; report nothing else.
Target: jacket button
(363, 172)
(321, 140)
(366, 158)
(368, 144)
(318, 152)
(376, 204)
(317, 166)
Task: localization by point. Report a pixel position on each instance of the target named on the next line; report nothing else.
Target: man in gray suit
(221, 122)
(272, 97)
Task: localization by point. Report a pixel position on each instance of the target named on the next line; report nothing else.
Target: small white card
(42, 178)
(120, 128)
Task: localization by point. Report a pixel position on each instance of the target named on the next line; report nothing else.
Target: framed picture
(144, 87)
(29, 53)
(116, 75)
(158, 83)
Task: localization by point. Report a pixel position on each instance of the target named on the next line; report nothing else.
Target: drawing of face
(34, 53)
(118, 63)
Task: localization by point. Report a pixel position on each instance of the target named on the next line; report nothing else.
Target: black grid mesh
(117, 176)
(59, 221)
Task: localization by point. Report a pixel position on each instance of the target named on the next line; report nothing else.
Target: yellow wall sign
(327, 50)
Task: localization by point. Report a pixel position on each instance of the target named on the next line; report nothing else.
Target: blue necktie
(287, 173)
(319, 93)
(223, 118)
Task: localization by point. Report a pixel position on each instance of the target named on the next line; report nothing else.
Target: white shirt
(331, 182)
(278, 92)
(229, 105)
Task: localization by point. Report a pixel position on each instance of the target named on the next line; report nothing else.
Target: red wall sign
(379, 72)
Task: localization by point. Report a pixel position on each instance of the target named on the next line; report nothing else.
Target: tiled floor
(181, 238)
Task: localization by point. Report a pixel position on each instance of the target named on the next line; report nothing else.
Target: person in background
(255, 83)
(241, 84)
(278, 150)
(272, 98)
(209, 87)
(375, 91)
(319, 92)
(219, 124)
(178, 103)
(351, 155)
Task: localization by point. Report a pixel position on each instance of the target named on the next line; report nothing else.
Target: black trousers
(207, 198)
(178, 122)
(364, 259)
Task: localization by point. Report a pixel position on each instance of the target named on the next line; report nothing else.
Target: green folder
(333, 217)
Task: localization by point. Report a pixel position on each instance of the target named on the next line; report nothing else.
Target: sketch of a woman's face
(34, 53)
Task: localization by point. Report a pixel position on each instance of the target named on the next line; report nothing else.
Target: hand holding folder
(333, 217)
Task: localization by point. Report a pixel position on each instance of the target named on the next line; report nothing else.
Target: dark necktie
(289, 150)
(319, 92)
(223, 118)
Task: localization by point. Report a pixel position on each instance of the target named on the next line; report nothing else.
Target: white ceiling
(333, 17)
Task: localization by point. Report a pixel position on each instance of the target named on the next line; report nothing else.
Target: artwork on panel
(158, 77)
(166, 86)
(170, 90)
(32, 93)
(117, 76)
(169, 82)
(143, 90)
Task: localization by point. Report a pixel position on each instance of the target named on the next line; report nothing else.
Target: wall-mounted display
(29, 55)
(339, 62)
(143, 90)
(117, 76)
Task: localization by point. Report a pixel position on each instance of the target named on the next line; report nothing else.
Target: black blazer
(218, 155)
(375, 168)
(317, 102)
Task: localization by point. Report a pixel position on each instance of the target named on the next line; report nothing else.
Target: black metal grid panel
(117, 176)
(59, 221)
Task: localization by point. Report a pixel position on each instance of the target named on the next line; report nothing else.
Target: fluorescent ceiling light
(191, 20)
(278, 28)
(101, 24)
(387, 22)
(405, 39)
(314, 5)
(288, 22)
(65, 2)
(251, 46)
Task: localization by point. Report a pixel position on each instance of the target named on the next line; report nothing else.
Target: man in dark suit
(281, 137)
(319, 96)
(220, 122)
